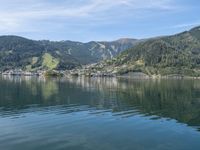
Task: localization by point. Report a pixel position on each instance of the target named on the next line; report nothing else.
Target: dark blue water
(99, 114)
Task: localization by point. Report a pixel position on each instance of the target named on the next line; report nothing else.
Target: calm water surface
(99, 114)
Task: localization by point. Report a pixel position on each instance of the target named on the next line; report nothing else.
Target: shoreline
(69, 73)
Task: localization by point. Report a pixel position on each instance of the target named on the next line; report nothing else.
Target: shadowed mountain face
(18, 52)
(177, 54)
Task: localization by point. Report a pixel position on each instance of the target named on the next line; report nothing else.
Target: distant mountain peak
(126, 40)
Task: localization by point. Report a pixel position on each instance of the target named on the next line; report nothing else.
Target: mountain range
(21, 53)
(165, 55)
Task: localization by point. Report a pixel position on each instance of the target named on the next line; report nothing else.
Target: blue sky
(86, 20)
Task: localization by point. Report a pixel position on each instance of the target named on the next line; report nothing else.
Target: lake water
(99, 114)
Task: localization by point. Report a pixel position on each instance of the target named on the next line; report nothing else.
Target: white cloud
(20, 15)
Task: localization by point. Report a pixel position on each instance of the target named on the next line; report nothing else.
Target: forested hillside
(176, 54)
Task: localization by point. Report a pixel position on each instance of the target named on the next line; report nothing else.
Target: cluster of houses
(19, 72)
(91, 71)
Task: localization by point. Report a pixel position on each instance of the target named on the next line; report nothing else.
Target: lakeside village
(20, 72)
(87, 70)
(56, 73)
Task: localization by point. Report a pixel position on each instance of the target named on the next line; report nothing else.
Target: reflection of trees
(23, 91)
(49, 89)
(176, 99)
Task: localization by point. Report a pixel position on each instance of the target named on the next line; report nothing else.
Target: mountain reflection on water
(170, 99)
